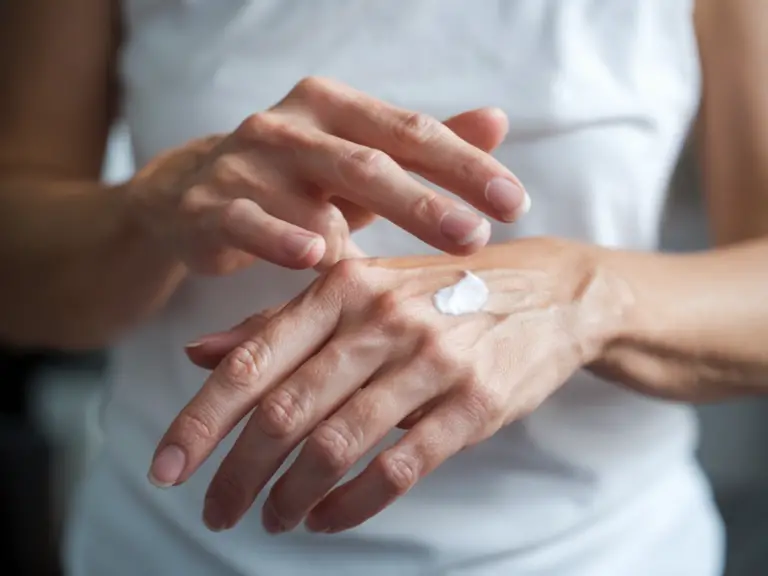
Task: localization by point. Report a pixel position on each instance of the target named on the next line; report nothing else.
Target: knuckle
(416, 129)
(194, 201)
(328, 221)
(232, 213)
(311, 86)
(437, 350)
(485, 404)
(336, 356)
(229, 170)
(198, 425)
(282, 413)
(336, 445)
(247, 362)
(364, 165)
(389, 310)
(254, 127)
(272, 129)
(427, 207)
(399, 472)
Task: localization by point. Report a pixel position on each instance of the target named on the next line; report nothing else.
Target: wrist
(603, 300)
(145, 224)
(154, 194)
(572, 279)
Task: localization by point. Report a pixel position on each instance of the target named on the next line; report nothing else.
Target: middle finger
(370, 178)
(425, 145)
(338, 443)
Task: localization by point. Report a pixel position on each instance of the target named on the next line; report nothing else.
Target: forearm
(697, 324)
(77, 268)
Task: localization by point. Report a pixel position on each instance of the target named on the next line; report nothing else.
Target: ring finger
(339, 442)
(443, 432)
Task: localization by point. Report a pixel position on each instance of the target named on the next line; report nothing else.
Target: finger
(280, 195)
(237, 384)
(208, 351)
(349, 251)
(413, 418)
(357, 217)
(371, 179)
(440, 435)
(285, 416)
(246, 226)
(339, 442)
(484, 128)
(315, 214)
(424, 145)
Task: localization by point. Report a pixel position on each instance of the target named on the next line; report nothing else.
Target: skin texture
(83, 262)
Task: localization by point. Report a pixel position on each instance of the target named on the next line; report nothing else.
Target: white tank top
(600, 95)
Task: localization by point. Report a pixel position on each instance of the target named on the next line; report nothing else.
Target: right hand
(289, 184)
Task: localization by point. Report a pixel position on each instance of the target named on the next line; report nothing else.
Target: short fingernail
(464, 227)
(214, 516)
(507, 198)
(298, 245)
(270, 520)
(167, 467)
(202, 341)
(318, 525)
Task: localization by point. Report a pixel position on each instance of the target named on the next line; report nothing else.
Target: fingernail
(167, 467)
(526, 207)
(465, 227)
(298, 245)
(214, 516)
(507, 198)
(270, 520)
(201, 341)
(496, 111)
(319, 526)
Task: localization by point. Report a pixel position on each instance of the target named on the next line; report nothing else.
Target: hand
(290, 183)
(373, 350)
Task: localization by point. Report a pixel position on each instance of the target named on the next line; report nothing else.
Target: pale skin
(376, 354)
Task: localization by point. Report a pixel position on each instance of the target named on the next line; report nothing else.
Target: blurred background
(49, 431)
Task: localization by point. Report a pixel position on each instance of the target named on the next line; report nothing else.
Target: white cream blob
(467, 296)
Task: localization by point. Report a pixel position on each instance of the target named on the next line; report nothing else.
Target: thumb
(484, 128)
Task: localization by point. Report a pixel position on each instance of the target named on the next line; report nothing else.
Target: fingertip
(167, 466)
(499, 116)
(203, 358)
(308, 255)
(507, 198)
(465, 239)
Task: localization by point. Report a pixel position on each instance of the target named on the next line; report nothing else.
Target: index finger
(423, 145)
(262, 360)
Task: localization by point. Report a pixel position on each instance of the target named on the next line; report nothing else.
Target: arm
(699, 328)
(75, 265)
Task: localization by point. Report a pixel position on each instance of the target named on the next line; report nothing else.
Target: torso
(599, 94)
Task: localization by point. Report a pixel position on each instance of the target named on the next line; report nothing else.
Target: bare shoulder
(58, 89)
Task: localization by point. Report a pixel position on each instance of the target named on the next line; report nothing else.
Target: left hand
(363, 349)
